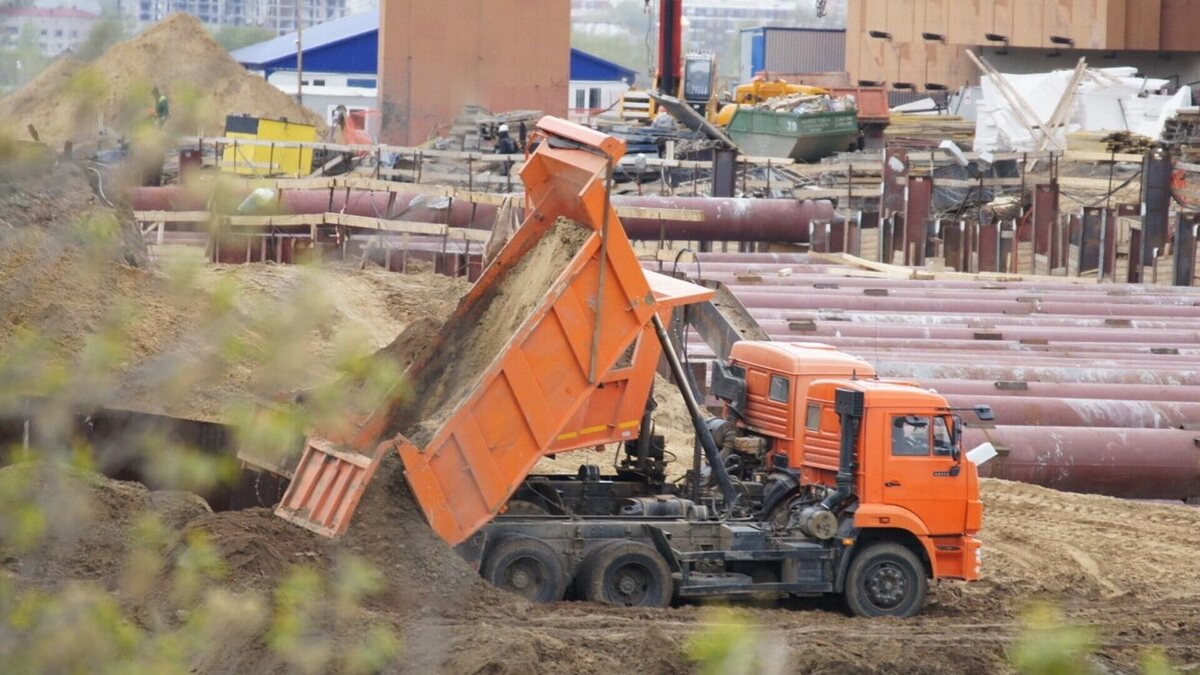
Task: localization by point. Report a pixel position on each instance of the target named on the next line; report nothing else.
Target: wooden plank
(901, 16)
(969, 20)
(1056, 20)
(855, 35)
(936, 17)
(405, 226)
(1115, 31)
(875, 50)
(1178, 25)
(172, 216)
(278, 221)
(1002, 19)
(967, 183)
(1084, 156)
(1143, 24)
(687, 215)
(1027, 23)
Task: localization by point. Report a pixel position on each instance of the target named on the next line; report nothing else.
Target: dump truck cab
(913, 482)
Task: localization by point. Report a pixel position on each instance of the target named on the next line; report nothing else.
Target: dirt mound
(424, 574)
(89, 518)
(260, 548)
(1039, 543)
(73, 101)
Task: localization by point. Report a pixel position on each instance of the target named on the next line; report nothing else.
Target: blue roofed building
(341, 62)
(596, 84)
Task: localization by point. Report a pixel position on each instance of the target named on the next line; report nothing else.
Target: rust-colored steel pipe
(1084, 412)
(1081, 374)
(1078, 349)
(883, 293)
(1130, 463)
(985, 390)
(984, 322)
(810, 331)
(1029, 360)
(974, 303)
(725, 219)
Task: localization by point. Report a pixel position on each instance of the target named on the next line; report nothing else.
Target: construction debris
(1038, 111)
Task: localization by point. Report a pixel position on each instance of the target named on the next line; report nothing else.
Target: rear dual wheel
(625, 573)
(527, 567)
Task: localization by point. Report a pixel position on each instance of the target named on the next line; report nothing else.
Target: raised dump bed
(530, 362)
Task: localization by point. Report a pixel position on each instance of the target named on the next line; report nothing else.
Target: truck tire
(885, 579)
(527, 567)
(626, 573)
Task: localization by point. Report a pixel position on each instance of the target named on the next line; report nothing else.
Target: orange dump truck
(555, 348)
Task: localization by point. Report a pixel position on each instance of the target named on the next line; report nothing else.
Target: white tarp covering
(1108, 99)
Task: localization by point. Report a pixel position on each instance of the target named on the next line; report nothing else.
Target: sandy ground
(1125, 569)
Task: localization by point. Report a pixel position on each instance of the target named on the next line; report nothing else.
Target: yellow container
(270, 159)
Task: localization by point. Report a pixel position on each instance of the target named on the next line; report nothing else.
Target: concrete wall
(436, 57)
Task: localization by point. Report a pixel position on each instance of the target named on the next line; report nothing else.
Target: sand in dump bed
(475, 340)
(75, 101)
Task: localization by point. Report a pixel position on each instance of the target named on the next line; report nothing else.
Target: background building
(340, 63)
(57, 30)
(782, 51)
(596, 84)
(341, 67)
(275, 15)
(435, 58)
(921, 44)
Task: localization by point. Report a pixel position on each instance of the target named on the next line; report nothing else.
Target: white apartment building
(57, 29)
(278, 16)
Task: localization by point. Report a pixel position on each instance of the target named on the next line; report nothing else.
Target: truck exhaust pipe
(819, 521)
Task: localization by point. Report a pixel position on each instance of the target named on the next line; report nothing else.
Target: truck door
(921, 475)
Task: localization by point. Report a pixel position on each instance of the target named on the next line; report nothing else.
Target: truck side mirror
(984, 412)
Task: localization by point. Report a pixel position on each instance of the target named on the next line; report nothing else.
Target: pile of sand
(63, 283)
(89, 521)
(77, 102)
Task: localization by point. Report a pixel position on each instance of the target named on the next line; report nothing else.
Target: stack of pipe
(1095, 387)
(725, 219)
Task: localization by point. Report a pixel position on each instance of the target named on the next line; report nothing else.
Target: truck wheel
(626, 573)
(885, 580)
(527, 567)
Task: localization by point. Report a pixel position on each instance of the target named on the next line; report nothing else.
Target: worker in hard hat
(505, 145)
(162, 108)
